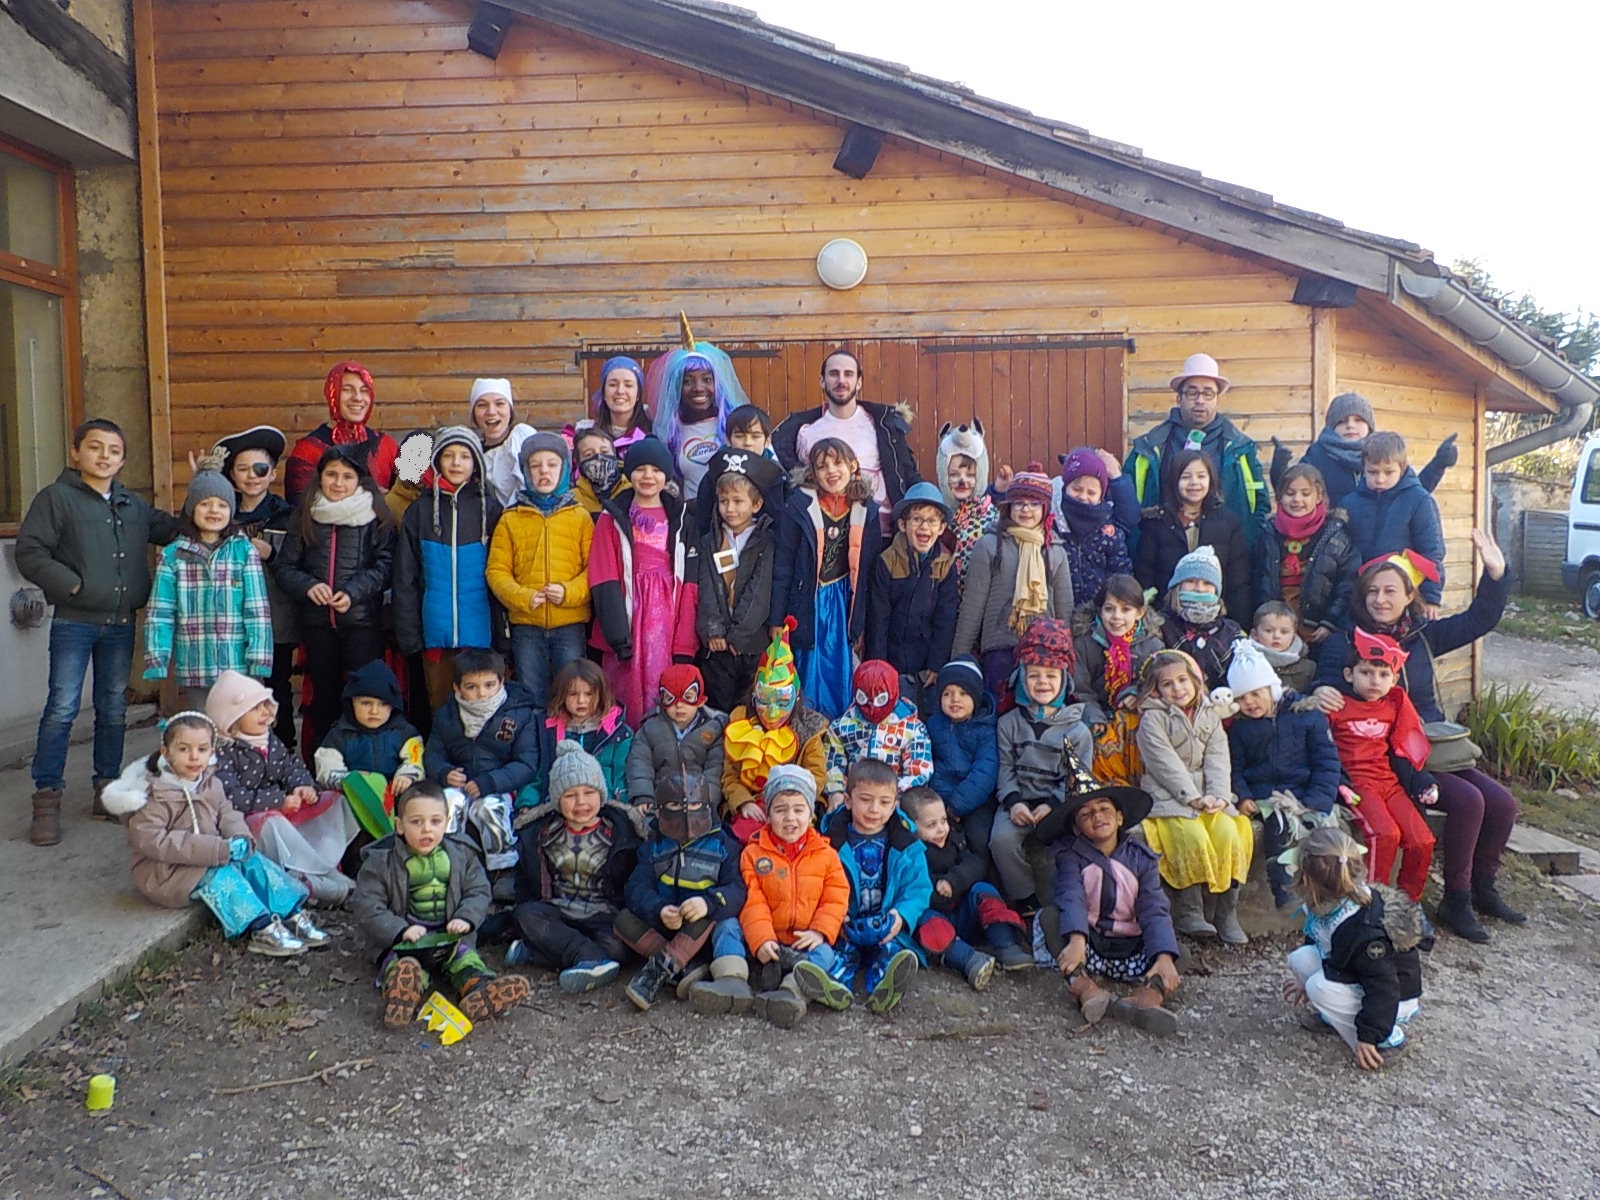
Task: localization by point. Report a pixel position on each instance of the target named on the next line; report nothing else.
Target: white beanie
(1250, 670)
(490, 387)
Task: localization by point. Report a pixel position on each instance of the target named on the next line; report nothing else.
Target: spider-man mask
(877, 686)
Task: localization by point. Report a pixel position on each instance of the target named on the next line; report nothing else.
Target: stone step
(1553, 855)
(1587, 885)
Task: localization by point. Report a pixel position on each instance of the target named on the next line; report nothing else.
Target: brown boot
(99, 811)
(404, 985)
(1093, 1000)
(46, 827)
(485, 996)
(1142, 1008)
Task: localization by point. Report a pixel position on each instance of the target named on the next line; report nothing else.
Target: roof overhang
(732, 44)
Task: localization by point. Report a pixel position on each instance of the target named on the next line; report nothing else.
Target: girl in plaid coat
(208, 608)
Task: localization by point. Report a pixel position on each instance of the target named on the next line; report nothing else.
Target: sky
(1464, 127)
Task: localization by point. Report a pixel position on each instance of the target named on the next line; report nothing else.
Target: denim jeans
(74, 645)
(539, 653)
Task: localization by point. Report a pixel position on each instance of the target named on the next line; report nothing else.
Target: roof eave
(732, 44)
(813, 74)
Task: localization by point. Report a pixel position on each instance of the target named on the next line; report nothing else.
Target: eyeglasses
(932, 521)
(1199, 393)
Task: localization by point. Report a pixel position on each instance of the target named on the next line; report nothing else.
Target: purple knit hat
(1081, 461)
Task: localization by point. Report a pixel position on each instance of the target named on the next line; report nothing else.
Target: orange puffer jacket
(784, 897)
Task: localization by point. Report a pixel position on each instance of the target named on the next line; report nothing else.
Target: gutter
(1450, 301)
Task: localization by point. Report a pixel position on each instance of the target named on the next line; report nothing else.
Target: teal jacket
(208, 613)
(1245, 487)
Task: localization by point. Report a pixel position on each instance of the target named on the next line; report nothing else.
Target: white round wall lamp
(842, 264)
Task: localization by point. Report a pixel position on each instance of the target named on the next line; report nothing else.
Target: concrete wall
(46, 104)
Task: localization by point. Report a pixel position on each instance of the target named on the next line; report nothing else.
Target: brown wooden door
(1036, 396)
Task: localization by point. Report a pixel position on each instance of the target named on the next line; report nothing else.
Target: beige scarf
(1031, 597)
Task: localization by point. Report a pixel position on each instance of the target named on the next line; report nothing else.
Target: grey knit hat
(459, 435)
(207, 485)
(1350, 404)
(1198, 564)
(790, 778)
(576, 767)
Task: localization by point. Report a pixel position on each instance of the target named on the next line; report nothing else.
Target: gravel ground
(956, 1094)
(1565, 673)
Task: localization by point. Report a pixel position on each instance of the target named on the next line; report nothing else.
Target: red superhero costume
(1383, 748)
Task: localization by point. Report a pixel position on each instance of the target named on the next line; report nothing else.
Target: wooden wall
(1423, 401)
(350, 181)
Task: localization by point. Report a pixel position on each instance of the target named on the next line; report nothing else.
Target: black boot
(1486, 898)
(1455, 914)
(652, 977)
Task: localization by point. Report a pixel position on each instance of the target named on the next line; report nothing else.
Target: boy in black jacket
(83, 543)
(736, 555)
(914, 594)
(687, 880)
(965, 907)
(485, 742)
(420, 898)
(575, 853)
(1359, 972)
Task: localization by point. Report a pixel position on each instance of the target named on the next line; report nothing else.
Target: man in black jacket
(876, 432)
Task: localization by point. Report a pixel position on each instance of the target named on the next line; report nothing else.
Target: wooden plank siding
(350, 181)
(1035, 397)
(441, 215)
(1414, 396)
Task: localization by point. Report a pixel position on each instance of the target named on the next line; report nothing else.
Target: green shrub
(1522, 740)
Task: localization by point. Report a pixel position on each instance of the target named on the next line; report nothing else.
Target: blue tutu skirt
(825, 669)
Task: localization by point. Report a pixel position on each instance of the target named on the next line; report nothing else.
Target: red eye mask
(877, 686)
(681, 683)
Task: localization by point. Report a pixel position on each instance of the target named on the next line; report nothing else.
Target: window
(1591, 480)
(38, 324)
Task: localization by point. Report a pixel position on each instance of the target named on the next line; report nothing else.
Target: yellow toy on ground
(445, 1019)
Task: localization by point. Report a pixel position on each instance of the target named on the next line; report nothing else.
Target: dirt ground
(1567, 673)
(956, 1094)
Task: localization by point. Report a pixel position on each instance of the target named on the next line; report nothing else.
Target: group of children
(765, 739)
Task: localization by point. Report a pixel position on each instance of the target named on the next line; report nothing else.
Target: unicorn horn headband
(685, 334)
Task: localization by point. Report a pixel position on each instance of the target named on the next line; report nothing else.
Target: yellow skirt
(1209, 848)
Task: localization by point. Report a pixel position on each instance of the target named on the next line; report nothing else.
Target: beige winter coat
(176, 831)
(1184, 758)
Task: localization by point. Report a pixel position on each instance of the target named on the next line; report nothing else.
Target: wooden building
(324, 181)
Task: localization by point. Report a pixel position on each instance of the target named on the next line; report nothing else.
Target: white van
(1581, 569)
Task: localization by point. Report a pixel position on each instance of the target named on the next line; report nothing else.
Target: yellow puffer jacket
(529, 551)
